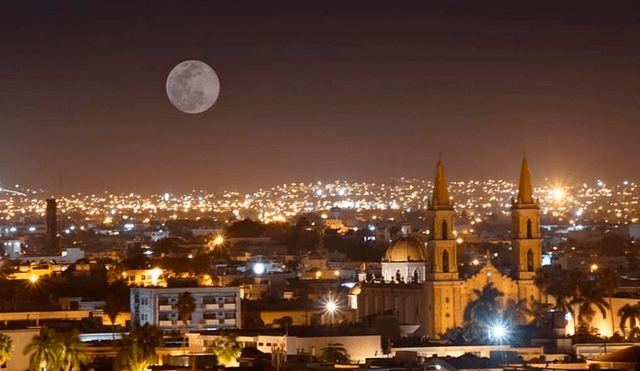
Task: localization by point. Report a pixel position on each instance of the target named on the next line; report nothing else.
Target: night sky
(358, 93)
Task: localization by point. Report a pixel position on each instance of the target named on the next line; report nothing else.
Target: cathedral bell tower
(441, 245)
(525, 229)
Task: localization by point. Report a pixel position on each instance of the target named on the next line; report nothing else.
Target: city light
(218, 240)
(331, 307)
(498, 332)
(259, 268)
(558, 193)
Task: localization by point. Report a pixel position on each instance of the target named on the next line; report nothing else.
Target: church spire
(440, 192)
(525, 192)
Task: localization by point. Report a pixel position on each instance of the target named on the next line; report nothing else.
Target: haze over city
(265, 186)
(319, 93)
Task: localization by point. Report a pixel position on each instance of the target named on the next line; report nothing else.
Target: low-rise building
(303, 342)
(145, 277)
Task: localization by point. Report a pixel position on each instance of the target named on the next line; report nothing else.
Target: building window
(529, 229)
(445, 261)
(416, 276)
(398, 276)
(530, 260)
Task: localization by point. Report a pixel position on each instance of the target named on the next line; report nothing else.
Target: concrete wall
(19, 361)
(604, 324)
(358, 347)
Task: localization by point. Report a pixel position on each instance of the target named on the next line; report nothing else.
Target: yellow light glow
(558, 193)
(33, 278)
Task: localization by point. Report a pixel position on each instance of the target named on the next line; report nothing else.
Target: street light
(331, 307)
(498, 333)
(216, 242)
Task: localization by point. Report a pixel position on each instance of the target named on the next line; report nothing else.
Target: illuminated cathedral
(421, 284)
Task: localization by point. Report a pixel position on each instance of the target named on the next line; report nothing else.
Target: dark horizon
(355, 92)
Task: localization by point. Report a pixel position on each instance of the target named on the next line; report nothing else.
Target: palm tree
(609, 282)
(559, 285)
(186, 306)
(73, 354)
(114, 305)
(47, 351)
(630, 313)
(6, 347)
(335, 353)
(516, 312)
(539, 313)
(589, 298)
(485, 307)
(139, 348)
(227, 349)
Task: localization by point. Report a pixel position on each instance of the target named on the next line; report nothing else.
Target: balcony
(230, 306)
(165, 307)
(166, 323)
(212, 306)
(229, 321)
(211, 321)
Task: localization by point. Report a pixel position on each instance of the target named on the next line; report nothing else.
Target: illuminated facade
(437, 298)
(217, 308)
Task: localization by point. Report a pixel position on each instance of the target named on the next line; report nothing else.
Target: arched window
(530, 260)
(416, 276)
(529, 229)
(445, 230)
(398, 276)
(445, 261)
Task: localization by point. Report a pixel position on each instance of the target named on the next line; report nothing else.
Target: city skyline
(317, 94)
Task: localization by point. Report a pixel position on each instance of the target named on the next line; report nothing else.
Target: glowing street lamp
(331, 307)
(498, 332)
(33, 278)
(218, 240)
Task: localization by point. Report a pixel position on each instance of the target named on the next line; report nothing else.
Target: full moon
(193, 87)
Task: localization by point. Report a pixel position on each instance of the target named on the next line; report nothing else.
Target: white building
(216, 307)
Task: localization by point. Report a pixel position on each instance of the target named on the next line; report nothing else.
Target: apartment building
(217, 308)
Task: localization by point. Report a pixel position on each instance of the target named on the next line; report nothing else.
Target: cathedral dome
(404, 250)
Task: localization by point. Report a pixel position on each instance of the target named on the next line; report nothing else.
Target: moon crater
(193, 87)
